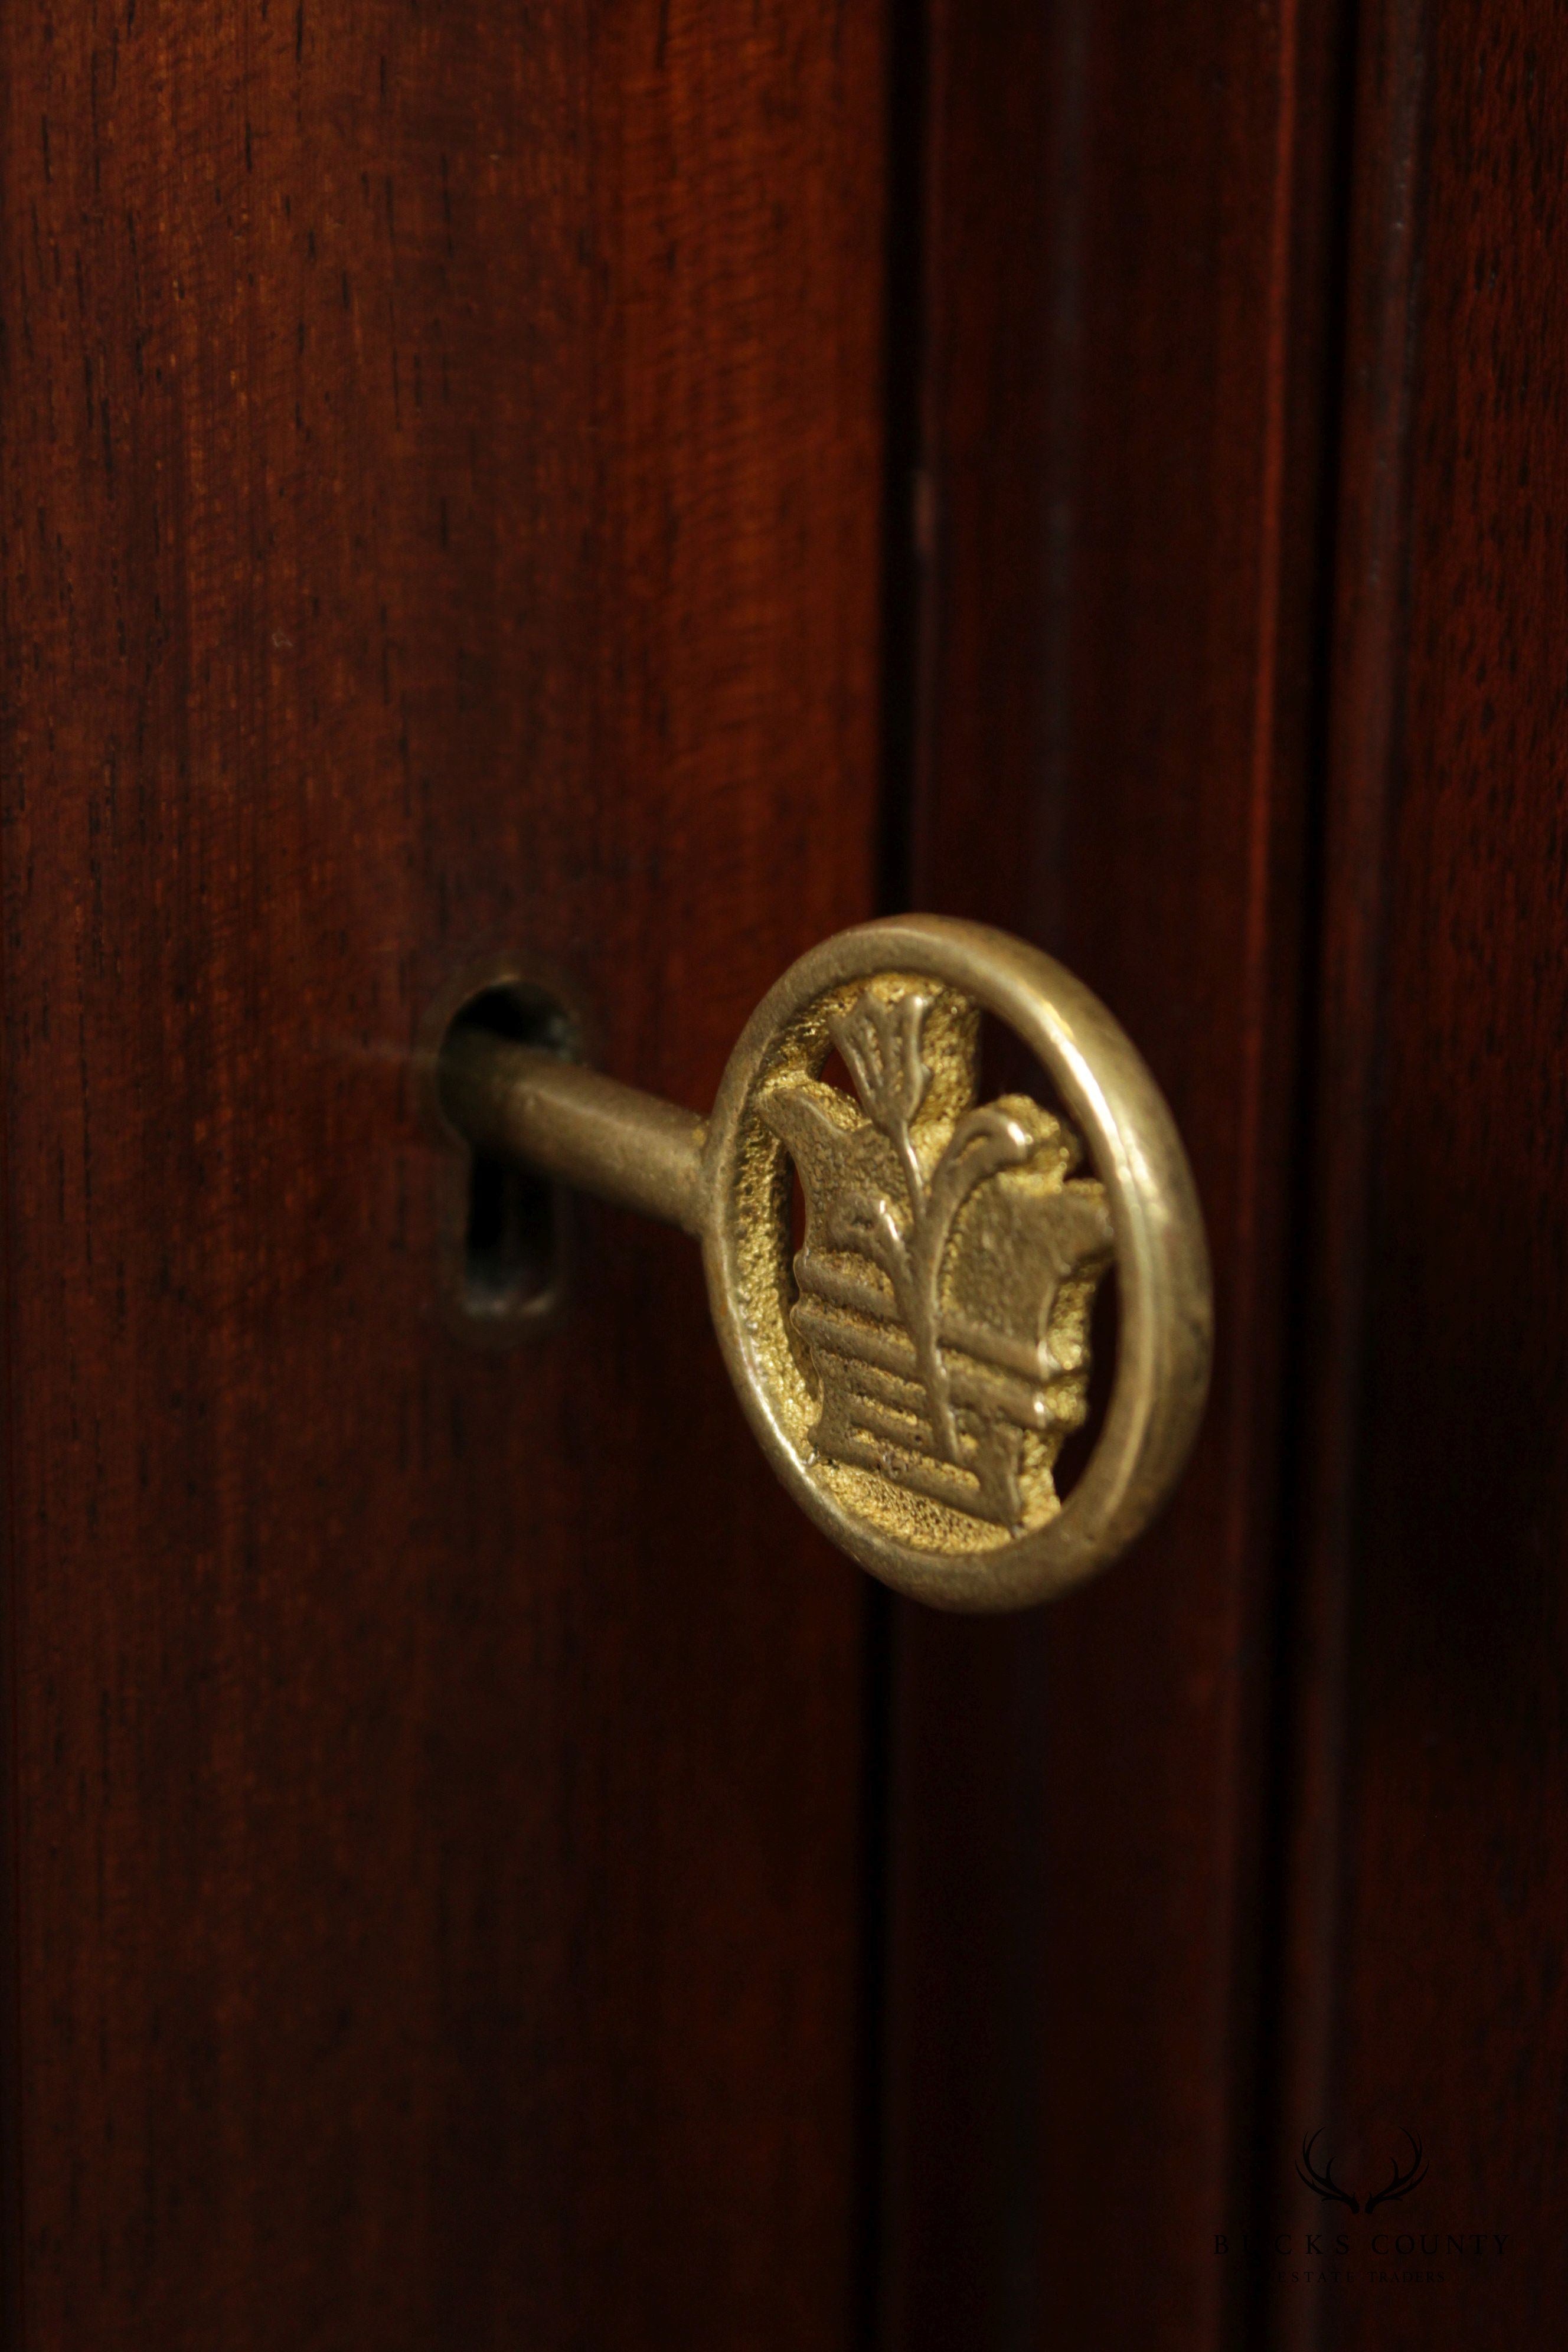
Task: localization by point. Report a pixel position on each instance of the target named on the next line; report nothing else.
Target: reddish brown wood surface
(1363, 699)
(1432, 1924)
(1129, 345)
(439, 484)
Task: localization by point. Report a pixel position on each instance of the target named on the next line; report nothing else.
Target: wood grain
(1361, 721)
(439, 481)
(1440, 1808)
(1130, 364)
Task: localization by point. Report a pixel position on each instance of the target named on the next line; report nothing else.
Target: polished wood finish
(1362, 695)
(440, 483)
(455, 1812)
(1128, 279)
(1242, 637)
(1424, 1987)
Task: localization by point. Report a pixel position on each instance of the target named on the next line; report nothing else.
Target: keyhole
(509, 1247)
(511, 1274)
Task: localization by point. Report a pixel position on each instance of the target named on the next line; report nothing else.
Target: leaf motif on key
(958, 1373)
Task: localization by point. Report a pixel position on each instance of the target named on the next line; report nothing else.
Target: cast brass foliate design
(912, 1368)
(949, 1268)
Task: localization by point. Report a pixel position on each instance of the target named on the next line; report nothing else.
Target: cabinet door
(596, 500)
(1421, 2005)
(1239, 608)
(441, 473)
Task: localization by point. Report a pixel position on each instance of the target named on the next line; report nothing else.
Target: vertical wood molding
(1430, 1869)
(1365, 689)
(1132, 337)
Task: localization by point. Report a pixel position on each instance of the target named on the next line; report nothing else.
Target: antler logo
(949, 1265)
(1400, 2182)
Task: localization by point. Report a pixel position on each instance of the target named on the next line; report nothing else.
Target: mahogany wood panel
(1362, 718)
(1128, 368)
(1436, 1918)
(440, 486)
